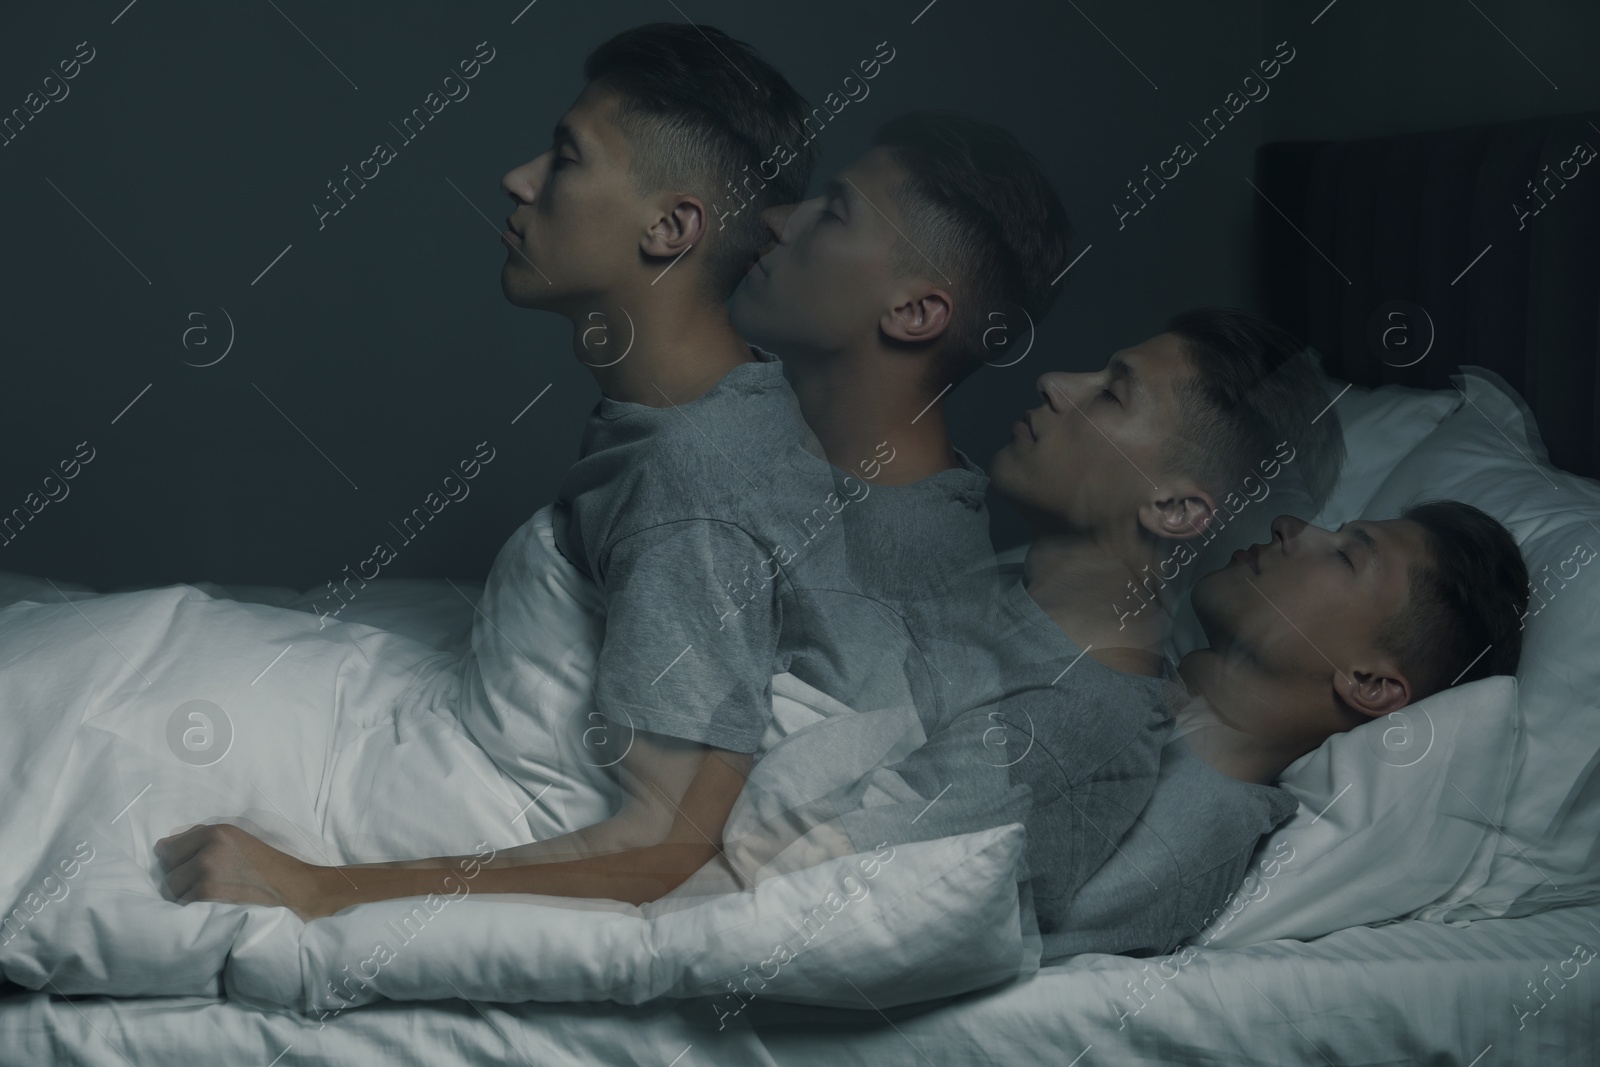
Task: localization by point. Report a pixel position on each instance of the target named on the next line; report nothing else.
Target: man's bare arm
(680, 798)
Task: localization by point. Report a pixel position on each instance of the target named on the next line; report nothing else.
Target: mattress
(1405, 993)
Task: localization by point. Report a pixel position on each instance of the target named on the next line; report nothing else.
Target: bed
(1491, 967)
(1410, 993)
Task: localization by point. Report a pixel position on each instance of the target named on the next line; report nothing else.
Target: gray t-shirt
(1065, 744)
(914, 547)
(1174, 870)
(712, 529)
(908, 546)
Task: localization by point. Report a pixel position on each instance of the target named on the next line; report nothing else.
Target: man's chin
(519, 293)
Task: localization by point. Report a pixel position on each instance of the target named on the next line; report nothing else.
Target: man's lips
(511, 234)
(1024, 426)
(1250, 556)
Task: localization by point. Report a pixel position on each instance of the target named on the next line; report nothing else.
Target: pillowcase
(527, 694)
(1489, 453)
(1381, 426)
(1392, 817)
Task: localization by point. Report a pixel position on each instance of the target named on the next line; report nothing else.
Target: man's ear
(679, 223)
(1378, 690)
(918, 315)
(1178, 512)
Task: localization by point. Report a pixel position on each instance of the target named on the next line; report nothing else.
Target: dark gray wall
(1376, 67)
(377, 352)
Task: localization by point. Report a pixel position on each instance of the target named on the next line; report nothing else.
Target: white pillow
(1489, 453)
(1381, 426)
(1392, 815)
(528, 688)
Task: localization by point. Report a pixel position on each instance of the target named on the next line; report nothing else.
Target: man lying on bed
(1309, 635)
(1113, 471)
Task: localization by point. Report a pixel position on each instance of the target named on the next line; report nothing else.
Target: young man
(881, 293)
(878, 295)
(1114, 472)
(1124, 473)
(937, 181)
(1309, 635)
(691, 501)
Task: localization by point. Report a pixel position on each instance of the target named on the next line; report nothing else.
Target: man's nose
(1288, 527)
(1061, 389)
(521, 183)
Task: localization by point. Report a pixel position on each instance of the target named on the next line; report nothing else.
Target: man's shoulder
(1203, 814)
(753, 421)
(730, 455)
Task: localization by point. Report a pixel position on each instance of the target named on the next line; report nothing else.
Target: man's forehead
(1158, 363)
(591, 120)
(1401, 539)
(876, 176)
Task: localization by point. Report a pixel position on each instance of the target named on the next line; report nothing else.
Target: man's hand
(224, 863)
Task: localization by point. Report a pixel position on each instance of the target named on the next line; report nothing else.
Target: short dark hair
(1254, 386)
(704, 111)
(1463, 615)
(977, 204)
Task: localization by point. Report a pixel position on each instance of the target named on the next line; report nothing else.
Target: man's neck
(855, 401)
(677, 347)
(1235, 718)
(1078, 581)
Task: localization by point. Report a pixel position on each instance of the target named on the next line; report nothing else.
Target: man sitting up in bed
(694, 502)
(874, 294)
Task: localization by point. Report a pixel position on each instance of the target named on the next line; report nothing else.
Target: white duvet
(131, 715)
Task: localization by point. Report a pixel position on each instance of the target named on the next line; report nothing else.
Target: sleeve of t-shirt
(691, 640)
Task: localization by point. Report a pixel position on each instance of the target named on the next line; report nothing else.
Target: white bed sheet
(1409, 993)
(1406, 993)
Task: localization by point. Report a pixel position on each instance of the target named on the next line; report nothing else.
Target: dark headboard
(1395, 221)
